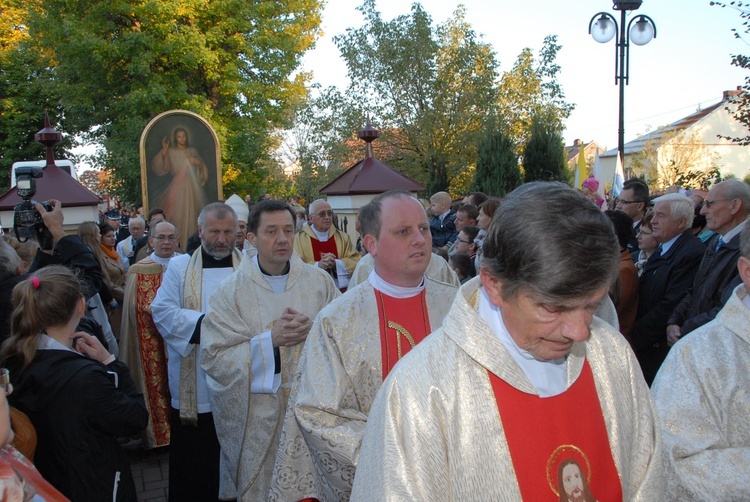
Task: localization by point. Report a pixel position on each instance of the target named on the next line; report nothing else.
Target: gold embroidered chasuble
(339, 373)
(434, 432)
(702, 395)
(142, 349)
(249, 424)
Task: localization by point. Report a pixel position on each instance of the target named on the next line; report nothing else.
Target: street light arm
(598, 16)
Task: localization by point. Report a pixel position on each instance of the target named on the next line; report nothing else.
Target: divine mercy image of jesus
(178, 177)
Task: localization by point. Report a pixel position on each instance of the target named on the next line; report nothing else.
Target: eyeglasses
(461, 240)
(323, 214)
(622, 201)
(709, 203)
(170, 238)
(641, 232)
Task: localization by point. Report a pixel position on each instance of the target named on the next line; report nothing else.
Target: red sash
(559, 440)
(319, 247)
(153, 359)
(404, 322)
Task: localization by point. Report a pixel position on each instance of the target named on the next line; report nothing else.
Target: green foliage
(742, 111)
(531, 89)
(544, 153)
(498, 171)
(117, 64)
(702, 180)
(430, 88)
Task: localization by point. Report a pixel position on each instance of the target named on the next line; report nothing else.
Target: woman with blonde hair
(79, 398)
(101, 240)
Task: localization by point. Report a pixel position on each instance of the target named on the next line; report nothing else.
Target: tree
(544, 153)
(26, 92)
(433, 87)
(498, 171)
(118, 64)
(530, 89)
(91, 179)
(742, 111)
(676, 157)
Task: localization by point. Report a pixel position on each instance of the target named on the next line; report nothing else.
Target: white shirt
(550, 378)
(177, 324)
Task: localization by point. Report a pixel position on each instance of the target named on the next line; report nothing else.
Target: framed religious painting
(180, 168)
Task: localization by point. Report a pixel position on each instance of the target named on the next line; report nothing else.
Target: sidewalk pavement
(150, 472)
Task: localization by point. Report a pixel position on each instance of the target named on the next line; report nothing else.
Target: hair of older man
(737, 189)
(551, 242)
(314, 205)
(219, 210)
(745, 242)
(680, 206)
(267, 206)
(10, 262)
(369, 215)
(137, 221)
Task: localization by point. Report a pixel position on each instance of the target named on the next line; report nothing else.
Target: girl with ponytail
(79, 398)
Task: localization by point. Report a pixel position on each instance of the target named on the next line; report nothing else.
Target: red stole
(328, 246)
(153, 358)
(546, 434)
(404, 322)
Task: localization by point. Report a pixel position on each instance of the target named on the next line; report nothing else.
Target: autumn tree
(544, 152)
(115, 65)
(498, 170)
(676, 157)
(432, 86)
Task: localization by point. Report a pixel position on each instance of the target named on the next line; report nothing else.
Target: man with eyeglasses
(321, 244)
(726, 209)
(633, 201)
(139, 339)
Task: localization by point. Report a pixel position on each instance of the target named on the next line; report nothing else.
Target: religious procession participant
(321, 244)
(352, 346)
(522, 379)
(178, 310)
(141, 345)
(702, 395)
(243, 212)
(438, 270)
(265, 311)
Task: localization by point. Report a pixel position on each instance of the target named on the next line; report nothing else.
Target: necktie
(657, 254)
(719, 244)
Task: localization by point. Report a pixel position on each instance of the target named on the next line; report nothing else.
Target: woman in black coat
(77, 396)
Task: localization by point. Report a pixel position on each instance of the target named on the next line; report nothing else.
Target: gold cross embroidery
(401, 331)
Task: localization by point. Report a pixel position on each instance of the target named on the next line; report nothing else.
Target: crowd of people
(537, 346)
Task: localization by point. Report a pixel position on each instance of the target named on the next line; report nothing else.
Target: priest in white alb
(353, 344)
(702, 395)
(252, 337)
(523, 394)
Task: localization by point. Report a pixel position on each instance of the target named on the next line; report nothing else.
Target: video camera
(25, 215)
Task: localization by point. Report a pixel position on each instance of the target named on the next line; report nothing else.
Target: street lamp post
(640, 30)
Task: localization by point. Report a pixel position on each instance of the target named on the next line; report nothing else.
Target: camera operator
(70, 251)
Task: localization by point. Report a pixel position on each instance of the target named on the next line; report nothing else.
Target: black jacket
(662, 285)
(717, 270)
(78, 413)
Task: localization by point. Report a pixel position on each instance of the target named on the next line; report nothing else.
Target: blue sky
(686, 66)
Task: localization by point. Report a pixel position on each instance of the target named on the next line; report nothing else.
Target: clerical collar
(392, 290)
(162, 261)
(549, 378)
(322, 236)
(211, 262)
(276, 282)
